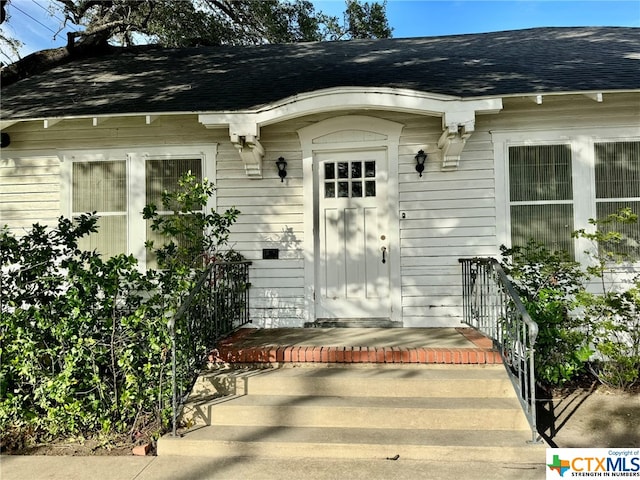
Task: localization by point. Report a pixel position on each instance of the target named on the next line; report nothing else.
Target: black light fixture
(6, 140)
(421, 157)
(282, 168)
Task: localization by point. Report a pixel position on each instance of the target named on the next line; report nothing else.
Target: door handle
(384, 254)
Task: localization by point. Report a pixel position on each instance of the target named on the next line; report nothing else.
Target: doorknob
(384, 254)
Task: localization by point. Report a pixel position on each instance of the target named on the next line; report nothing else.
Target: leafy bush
(613, 312)
(580, 328)
(548, 283)
(76, 338)
(614, 318)
(193, 237)
(84, 342)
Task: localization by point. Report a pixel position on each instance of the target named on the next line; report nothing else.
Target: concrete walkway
(190, 468)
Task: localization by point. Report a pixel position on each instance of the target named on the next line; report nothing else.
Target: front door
(353, 246)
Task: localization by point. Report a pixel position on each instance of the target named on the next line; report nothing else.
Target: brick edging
(314, 354)
(483, 353)
(475, 337)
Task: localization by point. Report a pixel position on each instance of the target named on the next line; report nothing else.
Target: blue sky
(35, 27)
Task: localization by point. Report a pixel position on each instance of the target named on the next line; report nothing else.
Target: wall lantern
(421, 157)
(282, 168)
(6, 140)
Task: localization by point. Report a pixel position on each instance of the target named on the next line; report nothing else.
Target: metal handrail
(492, 305)
(217, 305)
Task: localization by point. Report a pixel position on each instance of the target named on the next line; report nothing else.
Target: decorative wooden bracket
(251, 152)
(244, 133)
(457, 129)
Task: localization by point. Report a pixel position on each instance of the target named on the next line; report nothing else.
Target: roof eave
(270, 109)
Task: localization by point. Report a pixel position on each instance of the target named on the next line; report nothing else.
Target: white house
(526, 134)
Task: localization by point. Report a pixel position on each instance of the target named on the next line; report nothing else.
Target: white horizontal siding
(560, 112)
(271, 217)
(443, 216)
(29, 190)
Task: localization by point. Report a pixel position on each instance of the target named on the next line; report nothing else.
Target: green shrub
(84, 342)
(548, 283)
(76, 337)
(579, 327)
(613, 312)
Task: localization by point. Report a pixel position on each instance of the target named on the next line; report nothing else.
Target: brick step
(396, 355)
(355, 443)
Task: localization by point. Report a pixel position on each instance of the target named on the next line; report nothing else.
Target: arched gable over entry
(458, 117)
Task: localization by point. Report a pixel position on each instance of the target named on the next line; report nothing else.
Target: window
(118, 183)
(555, 181)
(617, 185)
(102, 187)
(161, 176)
(354, 179)
(541, 195)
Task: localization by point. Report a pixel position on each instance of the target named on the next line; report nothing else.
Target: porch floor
(356, 345)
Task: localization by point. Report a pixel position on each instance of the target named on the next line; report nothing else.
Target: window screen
(617, 176)
(541, 195)
(161, 176)
(101, 187)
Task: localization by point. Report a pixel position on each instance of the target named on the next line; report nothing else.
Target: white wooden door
(353, 247)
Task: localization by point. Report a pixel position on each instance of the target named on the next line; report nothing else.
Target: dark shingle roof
(540, 60)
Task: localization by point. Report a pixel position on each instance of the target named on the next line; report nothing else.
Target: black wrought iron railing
(492, 305)
(217, 305)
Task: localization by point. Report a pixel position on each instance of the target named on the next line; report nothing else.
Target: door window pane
(370, 188)
(350, 176)
(356, 189)
(356, 169)
(329, 190)
(369, 169)
(329, 171)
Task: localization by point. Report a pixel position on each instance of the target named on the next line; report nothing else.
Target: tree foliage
(101, 25)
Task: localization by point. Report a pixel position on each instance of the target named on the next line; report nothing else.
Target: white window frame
(581, 141)
(135, 159)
